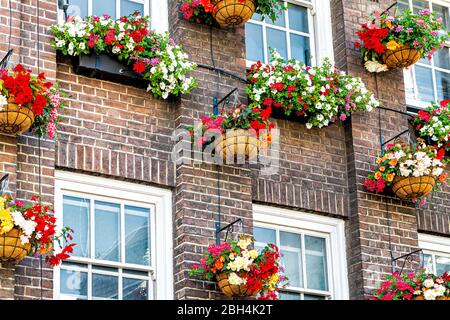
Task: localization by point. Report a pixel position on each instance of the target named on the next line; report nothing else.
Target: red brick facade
(124, 133)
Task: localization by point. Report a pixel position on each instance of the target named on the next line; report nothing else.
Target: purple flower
(425, 12)
(409, 30)
(399, 28)
(434, 33)
(155, 61)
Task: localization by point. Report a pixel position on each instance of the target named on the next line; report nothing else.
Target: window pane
(298, 18)
(104, 287)
(74, 283)
(254, 42)
(134, 289)
(277, 39)
(289, 296)
(101, 7)
(257, 17)
(442, 265)
(316, 264)
(442, 59)
(402, 5)
(420, 5)
(281, 20)
(264, 235)
(442, 12)
(300, 48)
(424, 81)
(311, 297)
(128, 7)
(291, 260)
(426, 261)
(137, 235)
(443, 85)
(76, 215)
(78, 8)
(107, 231)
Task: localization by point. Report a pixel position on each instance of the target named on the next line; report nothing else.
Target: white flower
(234, 279)
(428, 283)
(309, 125)
(375, 66)
(3, 101)
(429, 294)
(70, 49)
(82, 46)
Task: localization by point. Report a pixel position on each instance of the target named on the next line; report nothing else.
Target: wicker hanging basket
(239, 143)
(438, 298)
(15, 119)
(409, 188)
(12, 250)
(233, 13)
(231, 290)
(402, 57)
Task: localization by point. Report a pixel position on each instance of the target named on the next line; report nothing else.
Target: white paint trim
(161, 199)
(434, 243)
(307, 223)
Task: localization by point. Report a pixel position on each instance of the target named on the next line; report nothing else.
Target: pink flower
(343, 117)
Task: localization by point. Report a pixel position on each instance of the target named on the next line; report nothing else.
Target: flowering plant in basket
(433, 124)
(423, 32)
(35, 227)
(414, 286)
(320, 94)
(155, 56)
(401, 160)
(258, 270)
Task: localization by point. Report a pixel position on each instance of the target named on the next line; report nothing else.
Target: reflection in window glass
(135, 289)
(107, 230)
(100, 8)
(443, 85)
(419, 5)
(128, 7)
(74, 283)
(137, 235)
(311, 297)
(78, 8)
(76, 215)
(104, 287)
(254, 42)
(442, 12)
(442, 265)
(277, 39)
(289, 296)
(280, 22)
(290, 248)
(316, 265)
(298, 18)
(300, 48)
(442, 59)
(426, 261)
(424, 84)
(265, 235)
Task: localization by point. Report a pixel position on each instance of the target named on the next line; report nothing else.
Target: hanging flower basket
(239, 143)
(12, 250)
(232, 290)
(233, 13)
(15, 119)
(402, 57)
(409, 188)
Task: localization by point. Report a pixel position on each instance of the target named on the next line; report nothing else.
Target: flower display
(321, 95)
(414, 286)
(433, 124)
(155, 56)
(238, 117)
(259, 270)
(21, 87)
(402, 160)
(201, 11)
(38, 228)
(423, 32)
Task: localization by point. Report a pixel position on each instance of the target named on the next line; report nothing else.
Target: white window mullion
(120, 283)
(89, 280)
(122, 238)
(89, 7)
(91, 231)
(303, 266)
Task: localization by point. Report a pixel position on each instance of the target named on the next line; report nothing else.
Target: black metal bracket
(5, 60)
(406, 257)
(4, 183)
(219, 229)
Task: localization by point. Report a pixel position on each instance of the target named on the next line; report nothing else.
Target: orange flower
(382, 169)
(379, 160)
(377, 175)
(443, 177)
(393, 162)
(390, 177)
(218, 265)
(222, 259)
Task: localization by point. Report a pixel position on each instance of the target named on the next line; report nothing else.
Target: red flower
(372, 38)
(444, 103)
(39, 104)
(268, 102)
(424, 116)
(139, 67)
(265, 114)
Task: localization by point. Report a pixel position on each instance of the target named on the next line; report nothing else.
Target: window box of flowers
(162, 65)
(410, 172)
(28, 229)
(241, 271)
(433, 125)
(318, 95)
(228, 13)
(239, 133)
(398, 42)
(28, 101)
(414, 286)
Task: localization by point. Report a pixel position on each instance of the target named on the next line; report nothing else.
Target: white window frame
(332, 229)
(160, 203)
(320, 30)
(434, 246)
(158, 22)
(410, 73)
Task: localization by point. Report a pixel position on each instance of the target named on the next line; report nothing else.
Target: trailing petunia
(155, 56)
(321, 95)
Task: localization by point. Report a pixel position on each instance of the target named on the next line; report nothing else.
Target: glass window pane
(298, 18)
(101, 7)
(128, 7)
(135, 289)
(107, 230)
(264, 235)
(76, 215)
(291, 260)
(137, 235)
(443, 85)
(78, 8)
(281, 20)
(426, 261)
(316, 264)
(442, 12)
(257, 17)
(254, 42)
(442, 59)
(402, 5)
(311, 297)
(424, 83)
(104, 287)
(74, 283)
(277, 39)
(289, 296)
(300, 48)
(442, 265)
(420, 5)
